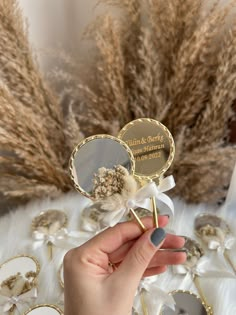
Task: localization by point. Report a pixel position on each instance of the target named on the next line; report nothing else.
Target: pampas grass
(167, 60)
(174, 62)
(35, 139)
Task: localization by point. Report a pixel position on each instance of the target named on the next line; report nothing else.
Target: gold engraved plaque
(152, 146)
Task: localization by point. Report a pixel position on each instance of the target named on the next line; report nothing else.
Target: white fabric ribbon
(221, 247)
(203, 269)
(141, 199)
(6, 303)
(60, 238)
(153, 297)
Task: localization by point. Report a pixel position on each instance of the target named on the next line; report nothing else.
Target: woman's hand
(94, 287)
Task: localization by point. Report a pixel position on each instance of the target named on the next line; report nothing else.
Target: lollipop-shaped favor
(101, 168)
(216, 234)
(153, 148)
(49, 227)
(18, 279)
(194, 265)
(45, 309)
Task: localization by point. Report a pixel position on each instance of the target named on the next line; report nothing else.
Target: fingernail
(167, 215)
(158, 236)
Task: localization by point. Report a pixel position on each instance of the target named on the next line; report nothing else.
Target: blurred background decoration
(174, 61)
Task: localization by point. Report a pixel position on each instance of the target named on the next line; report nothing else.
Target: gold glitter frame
(82, 143)
(208, 308)
(44, 305)
(28, 256)
(171, 142)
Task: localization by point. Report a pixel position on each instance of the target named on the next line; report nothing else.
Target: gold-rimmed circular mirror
(21, 264)
(44, 309)
(152, 146)
(210, 227)
(187, 303)
(153, 149)
(215, 233)
(49, 219)
(94, 153)
(194, 252)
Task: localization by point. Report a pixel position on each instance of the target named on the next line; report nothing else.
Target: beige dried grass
(158, 59)
(34, 142)
(170, 61)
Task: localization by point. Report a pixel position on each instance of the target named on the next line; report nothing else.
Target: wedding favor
(18, 283)
(195, 266)
(44, 309)
(153, 148)
(187, 303)
(101, 168)
(149, 298)
(50, 229)
(215, 234)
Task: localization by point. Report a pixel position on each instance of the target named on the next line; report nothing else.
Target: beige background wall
(53, 22)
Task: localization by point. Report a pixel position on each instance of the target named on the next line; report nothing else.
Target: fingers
(139, 256)
(167, 258)
(111, 239)
(171, 241)
(154, 271)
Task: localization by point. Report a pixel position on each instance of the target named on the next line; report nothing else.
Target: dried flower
(109, 182)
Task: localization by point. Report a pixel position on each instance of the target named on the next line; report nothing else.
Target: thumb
(138, 258)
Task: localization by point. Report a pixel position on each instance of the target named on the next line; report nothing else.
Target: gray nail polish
(157, 236)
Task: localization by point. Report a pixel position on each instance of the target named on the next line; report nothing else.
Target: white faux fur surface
(15, 233)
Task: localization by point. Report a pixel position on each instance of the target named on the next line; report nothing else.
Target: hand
(93, 287)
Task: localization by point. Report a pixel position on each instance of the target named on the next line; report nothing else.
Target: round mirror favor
(93, 156)
(153, 149)
(187, 303)
(18, 277)
(49, 228)
(44, 309)
(22, 264)
(101, 168)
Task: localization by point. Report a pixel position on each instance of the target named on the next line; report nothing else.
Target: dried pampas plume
(173, 61)
(34, 142)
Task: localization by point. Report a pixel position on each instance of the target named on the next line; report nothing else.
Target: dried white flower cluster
(108, 182)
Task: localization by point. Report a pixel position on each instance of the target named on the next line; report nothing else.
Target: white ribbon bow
(60, 238)
(141, 199)
(153, 297)
(221, 247)
(203, 269)
(6, 303)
